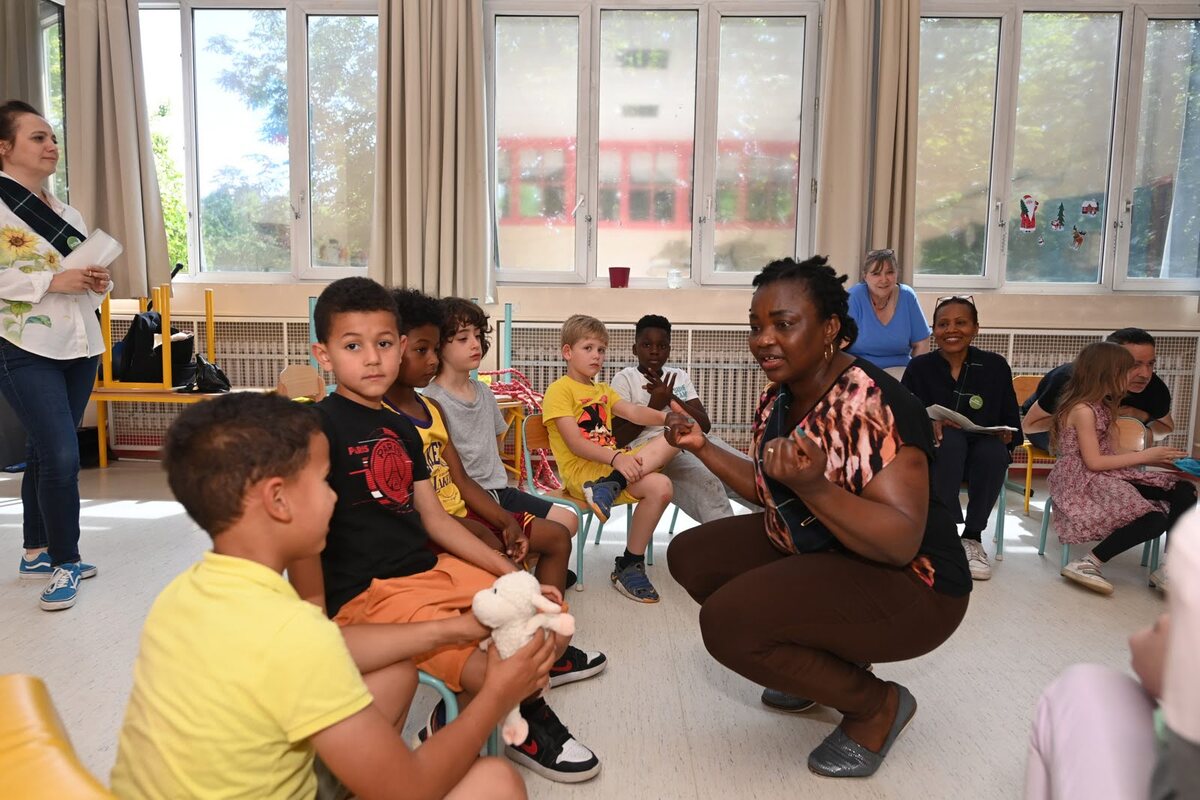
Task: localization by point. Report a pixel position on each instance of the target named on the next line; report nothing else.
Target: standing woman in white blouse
(50, 343)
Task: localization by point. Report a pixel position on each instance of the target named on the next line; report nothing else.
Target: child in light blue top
(891, 326)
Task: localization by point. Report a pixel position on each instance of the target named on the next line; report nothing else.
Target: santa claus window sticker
(1028, 222)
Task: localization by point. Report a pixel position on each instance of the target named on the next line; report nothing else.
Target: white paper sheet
(99, 250)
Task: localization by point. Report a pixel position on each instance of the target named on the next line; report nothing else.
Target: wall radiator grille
(253, 352)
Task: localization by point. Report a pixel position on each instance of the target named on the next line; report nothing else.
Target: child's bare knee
(565, 517)
(496, 778)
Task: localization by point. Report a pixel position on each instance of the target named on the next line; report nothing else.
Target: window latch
(575, 210)
(1000, 220)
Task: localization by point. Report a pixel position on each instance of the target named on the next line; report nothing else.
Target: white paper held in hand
(98, 250)
(943, 413)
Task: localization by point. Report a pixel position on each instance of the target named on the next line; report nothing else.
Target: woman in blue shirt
(891, 325)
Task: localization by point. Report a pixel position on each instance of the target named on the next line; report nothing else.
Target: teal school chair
(493, 747)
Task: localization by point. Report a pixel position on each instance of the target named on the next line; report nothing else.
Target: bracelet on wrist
(613, 460)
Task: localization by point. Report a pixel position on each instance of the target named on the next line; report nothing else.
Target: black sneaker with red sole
(576, 665)
(551, 751)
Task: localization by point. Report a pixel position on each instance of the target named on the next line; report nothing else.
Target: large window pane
(955, 119)
(53, 83)
(1165, 217)
(342, 97)
(536, 79)
(1062, 145)
(759, 107)
(242, 139)
(161, 51)
(647, 116)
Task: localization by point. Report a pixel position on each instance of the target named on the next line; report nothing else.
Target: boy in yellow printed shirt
(578, 412)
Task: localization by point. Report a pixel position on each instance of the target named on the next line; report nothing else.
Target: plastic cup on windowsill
(618, 277)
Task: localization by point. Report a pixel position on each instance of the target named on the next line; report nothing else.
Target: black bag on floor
(206, 377)
(141, 361)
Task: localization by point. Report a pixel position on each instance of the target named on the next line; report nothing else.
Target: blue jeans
(49, 396)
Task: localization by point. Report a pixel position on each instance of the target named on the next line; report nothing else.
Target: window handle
(296, 210)
(707, 209)
(1000, 220)
(575, 210)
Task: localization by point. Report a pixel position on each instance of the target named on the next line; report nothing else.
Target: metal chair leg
(1045, 525)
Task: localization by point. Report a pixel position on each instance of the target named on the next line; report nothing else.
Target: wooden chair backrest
(1024, 386)
(1132, 435)
(301, 380)
(536, 436)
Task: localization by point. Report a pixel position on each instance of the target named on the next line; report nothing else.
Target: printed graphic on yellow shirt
(593, 422)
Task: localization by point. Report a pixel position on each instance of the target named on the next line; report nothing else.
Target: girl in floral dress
(1098, 493)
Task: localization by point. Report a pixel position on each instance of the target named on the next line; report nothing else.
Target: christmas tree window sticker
(1058, 223)
(1029, 208)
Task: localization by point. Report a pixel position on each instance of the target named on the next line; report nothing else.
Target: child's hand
(470, 628)
(795, 461)
(661, 392)
(628, 465)
(1162, 456)
(682, 431)
(516, 543)
(523, 674)
(551, 593)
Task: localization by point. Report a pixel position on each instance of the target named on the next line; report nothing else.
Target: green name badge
(976, 402)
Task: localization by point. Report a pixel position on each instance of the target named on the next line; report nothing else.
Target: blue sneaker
(633, 583)
(600, 496)
(39, 569)
(60, 592)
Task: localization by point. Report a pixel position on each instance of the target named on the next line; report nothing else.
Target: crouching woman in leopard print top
(852, 563)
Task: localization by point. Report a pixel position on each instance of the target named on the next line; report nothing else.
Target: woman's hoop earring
(830, 350)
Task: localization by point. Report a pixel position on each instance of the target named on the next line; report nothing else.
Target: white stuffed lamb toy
(514, 608)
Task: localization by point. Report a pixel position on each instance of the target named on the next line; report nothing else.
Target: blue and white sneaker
(632, 582)
(63, 587)
(600, 496)
(39, 569)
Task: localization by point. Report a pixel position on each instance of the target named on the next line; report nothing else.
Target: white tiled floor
(666, 720)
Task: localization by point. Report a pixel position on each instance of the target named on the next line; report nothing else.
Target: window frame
(297, 13)
(1122, 155)
(709, 14)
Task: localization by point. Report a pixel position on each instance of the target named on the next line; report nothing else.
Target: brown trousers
(802, 623)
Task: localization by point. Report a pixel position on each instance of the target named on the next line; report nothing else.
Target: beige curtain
(894, 185)
(20, 52)
(429, 227)
(110, 158)
(866, 171)
(844, 136)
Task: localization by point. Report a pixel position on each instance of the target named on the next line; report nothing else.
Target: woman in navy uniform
(978, 385)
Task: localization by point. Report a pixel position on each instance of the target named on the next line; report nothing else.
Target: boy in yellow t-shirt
(578, 412)
(238, 681)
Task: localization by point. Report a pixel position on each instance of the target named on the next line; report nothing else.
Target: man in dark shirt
(1148, 398)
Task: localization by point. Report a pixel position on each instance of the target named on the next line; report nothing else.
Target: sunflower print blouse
(50, 324)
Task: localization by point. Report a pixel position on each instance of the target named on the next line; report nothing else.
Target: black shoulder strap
(40, 218)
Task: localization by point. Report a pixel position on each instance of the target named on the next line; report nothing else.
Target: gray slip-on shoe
(839, 756)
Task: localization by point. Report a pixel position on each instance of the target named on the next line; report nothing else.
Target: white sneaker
(1158, 579)
(977, 560)
(1087, 573)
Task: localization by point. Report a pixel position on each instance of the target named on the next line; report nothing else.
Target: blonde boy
(578, 412)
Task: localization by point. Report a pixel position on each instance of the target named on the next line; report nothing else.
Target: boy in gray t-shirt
(473, 415)
(698, 493)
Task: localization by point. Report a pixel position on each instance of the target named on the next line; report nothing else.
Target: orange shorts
(440, 593)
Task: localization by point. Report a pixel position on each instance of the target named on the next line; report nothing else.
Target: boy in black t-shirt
(1147, 399)
(376, 566)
